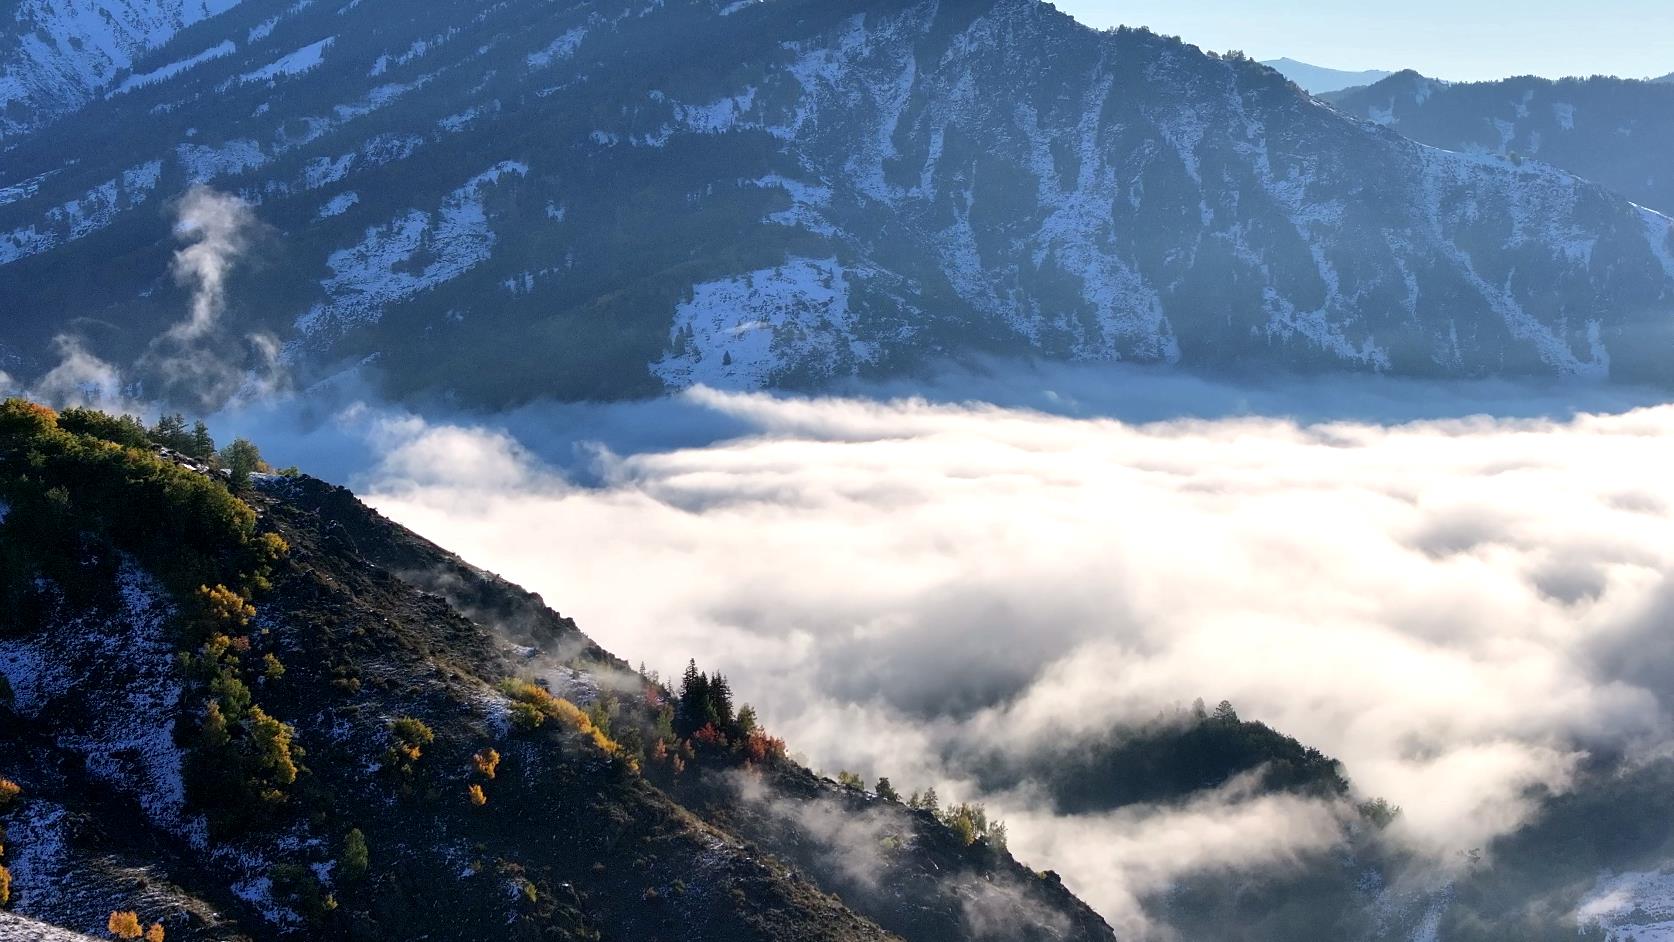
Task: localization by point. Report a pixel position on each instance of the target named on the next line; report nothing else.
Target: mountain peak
(1319, 80)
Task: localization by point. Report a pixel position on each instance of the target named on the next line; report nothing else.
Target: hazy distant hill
(1319, 80)
(1618, 132)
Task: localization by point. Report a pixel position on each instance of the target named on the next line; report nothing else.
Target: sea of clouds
(1460, 607)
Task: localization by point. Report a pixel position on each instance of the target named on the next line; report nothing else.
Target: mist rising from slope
(1459, 608)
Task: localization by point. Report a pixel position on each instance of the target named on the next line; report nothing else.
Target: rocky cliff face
(605, 199)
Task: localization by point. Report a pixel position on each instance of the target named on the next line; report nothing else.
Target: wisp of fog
(1461, 609)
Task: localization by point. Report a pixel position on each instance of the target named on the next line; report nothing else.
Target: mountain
(57, 55)
(1609, 130)
(1318, 80)
(1666, 79)
(595, 200)
(271, 713)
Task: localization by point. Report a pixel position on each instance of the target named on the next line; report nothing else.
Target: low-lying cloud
(1461, 609)
(197, 360)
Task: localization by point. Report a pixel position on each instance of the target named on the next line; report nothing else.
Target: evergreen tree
(242, 458)
(887, 791)
(170, 432)
(202, 447)
(720, 701)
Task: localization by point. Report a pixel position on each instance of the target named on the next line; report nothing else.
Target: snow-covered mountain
(56, 55)
(1618, 132)
(618, 197)
(1318, 79)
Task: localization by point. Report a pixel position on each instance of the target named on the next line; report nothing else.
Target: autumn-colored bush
(411, 736)
(710, 735)
(9, 791)
(221, 607)
(533, 697)
(5, 886)
(476, 794)
(272, 753)
(124, 925)
(486, 762)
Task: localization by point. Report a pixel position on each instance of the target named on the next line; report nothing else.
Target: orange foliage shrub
(531, 696)
(124, 925)
(223, 606)
(475, 793)
(710, 736)
(486, 762)
(5, 887)
(155, 933)
(9, 790)
(760, 747)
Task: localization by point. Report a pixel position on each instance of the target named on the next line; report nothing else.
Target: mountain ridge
(716, 222)
(1319, 80)
(1559, 122)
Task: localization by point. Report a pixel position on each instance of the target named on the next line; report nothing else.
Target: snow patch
(1565, 115)
(225, 48)
(558, 50)
(739, 333)
(296, 63)
(1637, 906)
(338, 205)
(412, 253)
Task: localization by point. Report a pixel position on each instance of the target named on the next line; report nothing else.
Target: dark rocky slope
(150, 728)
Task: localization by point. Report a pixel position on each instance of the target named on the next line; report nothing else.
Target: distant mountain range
(1319, 80)
(1618, 132)
(541, 199)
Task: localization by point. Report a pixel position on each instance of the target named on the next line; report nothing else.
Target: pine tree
(202, 445)
(170, 432)
(720, 701)
(356, 860)
(242, 458)
(887, 791)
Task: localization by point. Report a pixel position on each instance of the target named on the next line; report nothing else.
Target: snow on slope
(59, 53)
(18, 929)
(737, 333)
(1632, 907)
(379, 270)
(225, 48)
(302, 60)
(128, 740)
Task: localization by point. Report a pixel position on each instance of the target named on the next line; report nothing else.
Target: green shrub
(356, 859)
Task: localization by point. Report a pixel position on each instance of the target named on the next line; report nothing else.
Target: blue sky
(1453, 39)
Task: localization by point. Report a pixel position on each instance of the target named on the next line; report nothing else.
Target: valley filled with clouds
(1463, 609)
